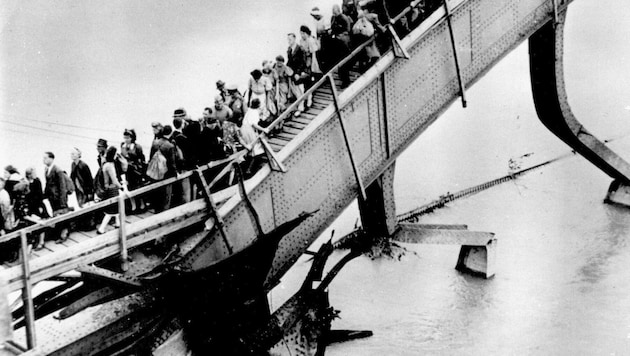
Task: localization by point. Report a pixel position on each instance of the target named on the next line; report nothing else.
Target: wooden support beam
(213, 209)
(108, 275)
(27, 293)
(454, 45)
(6, 320)
(106, 245)
(355, 169)
(124, 257)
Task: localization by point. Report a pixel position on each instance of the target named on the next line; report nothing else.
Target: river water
(73, 72)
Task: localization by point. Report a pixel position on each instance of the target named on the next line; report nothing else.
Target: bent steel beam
(552, 106)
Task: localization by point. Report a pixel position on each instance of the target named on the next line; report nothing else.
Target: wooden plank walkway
(292, 126)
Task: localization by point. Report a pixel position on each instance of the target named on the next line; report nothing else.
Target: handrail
(316, 86)
(288, 111)
(44, 224)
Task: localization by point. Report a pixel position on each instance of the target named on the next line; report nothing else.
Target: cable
(41, 134)
(50, 130)
(61, 124)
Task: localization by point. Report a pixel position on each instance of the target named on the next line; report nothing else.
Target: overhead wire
(42, 134)
(21, 117)
(94, 138)
(61, 124)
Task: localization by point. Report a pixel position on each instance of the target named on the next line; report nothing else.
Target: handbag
(363, 27)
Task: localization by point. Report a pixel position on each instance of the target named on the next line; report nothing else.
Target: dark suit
(192, 131)
(82, 178)
(296, 60)
(56, 191)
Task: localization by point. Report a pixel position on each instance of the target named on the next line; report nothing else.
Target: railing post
(397, 42)
(453, 44)
(124, 258)
(345, 138)
(27, 296)
(273, 159)
(555, 11)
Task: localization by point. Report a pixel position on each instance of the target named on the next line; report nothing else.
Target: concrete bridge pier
(546, 53)
(378, 210)
(378, 215)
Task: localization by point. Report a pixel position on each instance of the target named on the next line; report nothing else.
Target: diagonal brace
(213, 210)
(355, 169)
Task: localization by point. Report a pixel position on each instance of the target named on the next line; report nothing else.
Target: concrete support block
(618, 193)
(478, 260)
(478, 252)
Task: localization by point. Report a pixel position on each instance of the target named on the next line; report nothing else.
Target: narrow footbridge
(342, 148)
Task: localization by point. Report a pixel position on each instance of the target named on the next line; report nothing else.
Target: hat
(156, 124)
(316, 12)
(181, 112)
(101, 142)
(131, 133)
(231, 87)
(220, 83)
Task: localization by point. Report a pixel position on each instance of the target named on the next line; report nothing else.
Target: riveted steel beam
(112, 276)
(355, 169)
(462, 90)
(546, 49)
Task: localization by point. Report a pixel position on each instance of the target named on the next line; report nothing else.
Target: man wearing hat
(236, 103)
(162, 198)
(322, 36)
(221, 89)
(101, 147)
(191, 129)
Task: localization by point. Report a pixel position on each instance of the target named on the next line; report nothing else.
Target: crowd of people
(230, 125)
